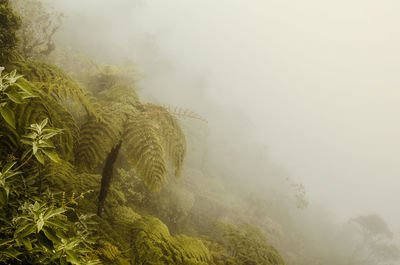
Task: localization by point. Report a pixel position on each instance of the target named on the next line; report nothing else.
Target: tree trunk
(106, 177)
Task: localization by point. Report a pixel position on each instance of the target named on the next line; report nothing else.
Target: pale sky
(318, 79)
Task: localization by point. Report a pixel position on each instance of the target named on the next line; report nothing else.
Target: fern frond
(111, 255)
(173, 138)
(121, 93)
(95, 141)
(144, 150)
(184, 113)
(155, 245)
(60, 176)
(52, 81)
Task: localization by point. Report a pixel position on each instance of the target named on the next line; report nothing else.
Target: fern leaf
(171, 134)
(58, 85)
(144, 150)
(96, 140)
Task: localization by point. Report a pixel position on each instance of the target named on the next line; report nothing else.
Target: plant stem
(26, 161)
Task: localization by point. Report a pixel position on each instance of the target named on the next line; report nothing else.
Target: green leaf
(44, 241)
(56, 223)
(53, 212)
(27, 92)
(72, 257)
(45, 144)
(13, 73)
(34, 147)
(52, 155)
(10, 252)
(3, 196)
(36, 206)
(5, 241)
(40, 223)
(51, 234)
(39, 157)
(11, 174)
(31, 135)
(25, 231)
(8, 116)
(44, 123)
(27, 142)
(15, 96)
(25, 154)
(50, 134)
(7, 167)
(27, 243)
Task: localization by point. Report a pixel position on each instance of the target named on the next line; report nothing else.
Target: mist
(313, 81)
(297, 97)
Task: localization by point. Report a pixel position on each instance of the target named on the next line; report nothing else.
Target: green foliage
(33, 227)
(111, 255)
(9, 24)
(39, 140)
(171, 134)
(12, 92)
(56, 84)
(148, 132)
(23, 104)
(95, 142)
(145, 151)
(243, 245)
(154, 245)
(41, 177)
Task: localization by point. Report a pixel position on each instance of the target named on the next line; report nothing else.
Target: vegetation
(56, 133)
(91, 174)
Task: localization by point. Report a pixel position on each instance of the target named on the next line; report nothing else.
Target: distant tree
(39, 25)
(376, 244)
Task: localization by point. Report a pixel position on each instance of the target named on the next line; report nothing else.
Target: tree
(375, 245)
(39, 25)
(146, 133)
(114, 119)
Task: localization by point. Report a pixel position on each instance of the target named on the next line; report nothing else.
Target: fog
(311, 85)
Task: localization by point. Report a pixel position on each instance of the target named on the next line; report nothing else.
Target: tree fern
(145, 151)
(147, 133)
(171, 134)
(95, 141)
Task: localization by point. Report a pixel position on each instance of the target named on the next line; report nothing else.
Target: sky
(316, 81)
